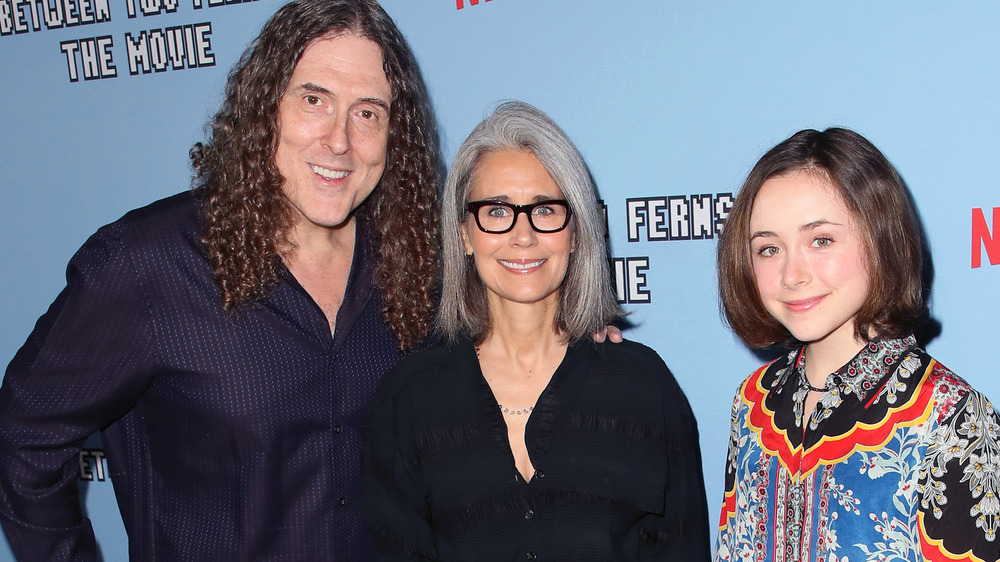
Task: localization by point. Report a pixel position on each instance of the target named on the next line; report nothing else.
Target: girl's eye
(822, 242)
(767, 251)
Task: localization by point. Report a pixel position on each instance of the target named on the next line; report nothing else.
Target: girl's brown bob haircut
(882, 211)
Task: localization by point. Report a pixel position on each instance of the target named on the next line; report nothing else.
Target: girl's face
(808, 258)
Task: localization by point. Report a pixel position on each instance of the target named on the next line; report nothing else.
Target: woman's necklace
(805, 380)
(516, 412)
(505, 409)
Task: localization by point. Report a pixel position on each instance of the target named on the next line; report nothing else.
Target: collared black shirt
(612, 439)
(229, 436)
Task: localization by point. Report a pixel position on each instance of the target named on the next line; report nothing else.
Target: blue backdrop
(670, 103)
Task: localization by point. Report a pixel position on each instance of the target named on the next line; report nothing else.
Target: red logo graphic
(459, 4)
(982, 237)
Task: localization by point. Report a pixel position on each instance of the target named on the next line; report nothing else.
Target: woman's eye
(543, 210)
(498, 211)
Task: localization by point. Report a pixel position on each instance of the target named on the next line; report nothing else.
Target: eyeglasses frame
(474, 206)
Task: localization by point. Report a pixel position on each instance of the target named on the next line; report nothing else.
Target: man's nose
(337, 137)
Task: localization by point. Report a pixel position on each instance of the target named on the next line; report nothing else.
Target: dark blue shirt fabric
(612, 439)
(229, 436)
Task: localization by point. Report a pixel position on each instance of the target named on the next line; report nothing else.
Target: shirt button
(343, 501)
(529, 514)
(837, 380)
(531, 555)
(337, 428)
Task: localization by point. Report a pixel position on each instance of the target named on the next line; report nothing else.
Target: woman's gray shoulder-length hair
(587, 301)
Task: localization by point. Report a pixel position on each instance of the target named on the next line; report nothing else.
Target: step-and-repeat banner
(670, 102)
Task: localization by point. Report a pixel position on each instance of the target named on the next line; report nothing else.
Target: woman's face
(521, 266)
(808, 258)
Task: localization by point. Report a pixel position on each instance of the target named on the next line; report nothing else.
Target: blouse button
(531, 555)
(837, 380)
(529, 514)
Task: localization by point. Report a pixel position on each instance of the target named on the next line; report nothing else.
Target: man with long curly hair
(227, 340)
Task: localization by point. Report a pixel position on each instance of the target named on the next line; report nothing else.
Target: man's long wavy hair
(247, 219)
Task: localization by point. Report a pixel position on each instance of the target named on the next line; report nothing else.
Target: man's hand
(610, 333)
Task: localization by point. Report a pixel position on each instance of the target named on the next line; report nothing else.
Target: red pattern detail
(933, 549)
(831, 449)
(807, 489)
(951, 390)
(728, 509)
(781, 506)
(824, 512)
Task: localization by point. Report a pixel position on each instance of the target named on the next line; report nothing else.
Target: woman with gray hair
(519, 437)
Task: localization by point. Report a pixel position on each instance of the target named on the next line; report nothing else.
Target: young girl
(856, 445)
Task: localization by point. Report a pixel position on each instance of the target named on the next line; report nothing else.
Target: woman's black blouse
(612, 438)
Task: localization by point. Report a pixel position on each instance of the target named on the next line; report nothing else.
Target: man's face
(333, 124)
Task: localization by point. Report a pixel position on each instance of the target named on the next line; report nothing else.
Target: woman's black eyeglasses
(497, 217)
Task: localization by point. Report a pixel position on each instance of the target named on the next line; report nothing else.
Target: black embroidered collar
(867, 369)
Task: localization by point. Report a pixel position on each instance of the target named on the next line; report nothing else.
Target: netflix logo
(985, 237)
(459, 4)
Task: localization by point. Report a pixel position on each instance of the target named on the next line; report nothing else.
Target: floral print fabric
(900, 460)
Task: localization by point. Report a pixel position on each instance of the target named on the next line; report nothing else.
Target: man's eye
(367, 114)
(312, 100)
